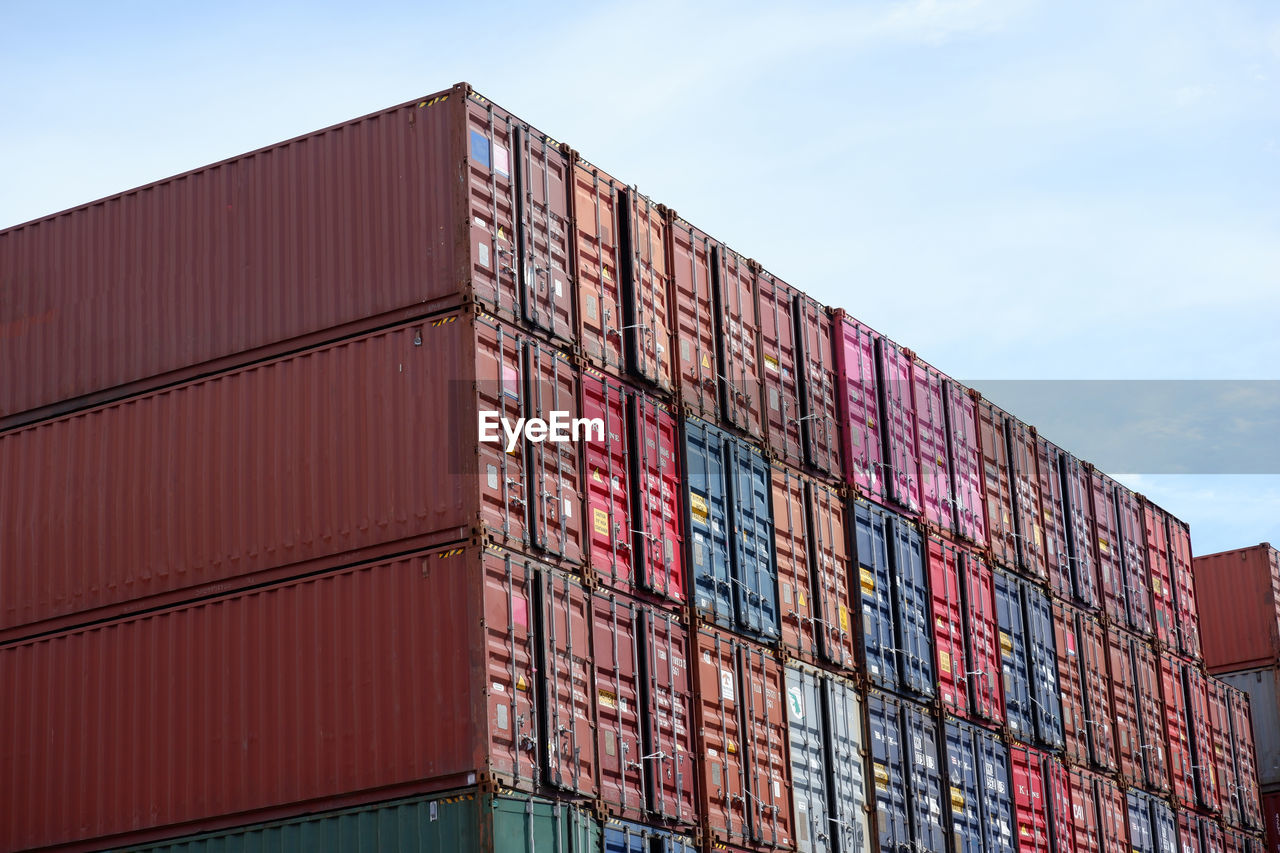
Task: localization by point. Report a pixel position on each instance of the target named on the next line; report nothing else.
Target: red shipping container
(936, 494)
(1211, 838)
(1114, 814)
(284, 248)
(1271, 817)
(797, 606)
(1224, 763)
(695, 319)
(669, 719)
(1077, 499)
(1137, 588)
(1091, 638)
(1058, 791)
(1106, 535)
(763, 688)
(1187, 620)
(1124, 700)
(985, 675)
(952, 664)
(738, 339)
(819, 386)
(1239, 603)
(997, 485)
(1071, 683)
(829, 553)
(1100, 812)
(1030, 802)
(1245, 759)
(1146, 685)
(1189, 832)
(616, 641)
(779, 369)
(859, 398)
(965, 450)
(332, 687)
(1026, 499)
(1054, 518)
(633, 491)
(899, 425)
(1200, 723)
(185, 493)
(1155, 531)
(1176, 730)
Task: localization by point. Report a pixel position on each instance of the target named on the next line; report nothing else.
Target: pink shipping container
(1239, 603)
(899, 424)
(186, 494)
(949, 629)
(386, 217)
(965, 450)
(332, 687)
(860, 420)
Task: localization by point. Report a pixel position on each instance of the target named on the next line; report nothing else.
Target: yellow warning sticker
(944, 662)
(698, 507)
(600, 519)
(771, 363)
(1156, 586)
(607, 699)
(957, 799)
(731, 748)
(1006, 642)
(595, 475)
(521, 684)
(706, 361)
(800, 599)
(1036, 533)
(882, 776)
(868, 580)
(844, 618)
(1102, 544)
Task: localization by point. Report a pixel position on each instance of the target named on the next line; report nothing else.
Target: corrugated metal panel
(1026, 499)
(847, 765)
(1106, 536)
(188, 491)
(965, 792)
(1054, 517)
(646, 291)
(1112, 811)
(1263, 689)
(1134, 554)
(1189, 832)
(1081, 541)
(1086, 819)
(997, 485)
(819, 387)
(1224, 764)
(611, 513)
(669, 746)
(1058, 793)
(707, 466)
(808, 740)
(997, 796)
(247, 668)
(565, 667)
(626, 837)
(797, 602)
(1242, 750)
(983, 638)
(1142, 835)
(859, 399)
(889, 769)
(721, 740)
(1124, 700)
(655, 477)
(1187, 622)
(599, 259)
(911, 610)
(1165, 826)
(1177, 735)
(697, 361)
(965, 448)
(1238, 593)
(616, 686)
(1094, 665)
(780, 369)
(872, 540)
(1030, 800)
(898, 425)
(1155, 535)
(1042, 666)
(948, 625)
(763, 692)
(1155, 756)
(1211, 836)
(1016, 679)
(734, 283)
(829, 561)
(924, 777)
(1200, 724)
(931, 445)
(1075, 729)
(755, 568)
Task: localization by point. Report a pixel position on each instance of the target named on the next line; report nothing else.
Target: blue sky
(1015, 189)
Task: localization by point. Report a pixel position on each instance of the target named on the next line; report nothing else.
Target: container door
(780, 370)
(931, 445)
(1211, 839)
(1177, 736)
(912, 610)
(1058, 788)
(510, 602)
(695, 323)
(1134, 557)
(769, 783)
(997, 798)
(1154, 754)
(1054, 516)
(658, 540)
(609, 507)
(500, 387)
(565, 680)
(615, 625)
(924, 779)
(1093, 663)
(948, 626)
(1242, 748)
(1124, 698)
(1106, 534)
(819, 389)
(1028, 515)
(1030, 800)
(845, 762)
(1042, 665)
(829, 567)
(889, 769)
(1074, 728)
(1080, 536)
(706, 456)
(1141, 833)
(872, 536)
(1015, 680)
(667, 701)
(646, 291)
(797, 602)
(597, 209)
(859, 399)
(808, 761)
(723, 764)
(966, 826)
(1224, 764)
(1200, 725)
(1187, 623)
(1188, 832)
(555, 500)
(965, 451)
(1164, 826)
(983, 640)
(737, 340)
(1084, 812)
(542, 195)
(899, 424)
(755, 568)
(1112, 813)
(492, 210)
(997, 485)
(1155, 538)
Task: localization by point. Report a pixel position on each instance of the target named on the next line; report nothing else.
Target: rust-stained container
(1081, 541)
(694, 322)
(1177, 729)
(1053, 508)
(928, 401)
(1091, 639)
(1239, 603)
(858, 387)
(1155, 535)
(819, 387)
(997, 485)
(1187, 621)
(737, 315)
(1134, 558)
(897, 402)
(284, 248)
(1106, 537)
(1200, 725)
(184, 492)
(779, 369)
(634, 497)
(965, 451)
(1031, 803)
(492, 641)
(1026, 499)
(1075, 719)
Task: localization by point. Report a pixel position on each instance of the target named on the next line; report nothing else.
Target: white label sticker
(559, 287)
(568, 509)
(501, 162)
(726, 685)
(795, 703)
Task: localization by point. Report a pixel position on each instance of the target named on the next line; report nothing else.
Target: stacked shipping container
(803, 591)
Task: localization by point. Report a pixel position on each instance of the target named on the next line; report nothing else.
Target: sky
(1017, 190)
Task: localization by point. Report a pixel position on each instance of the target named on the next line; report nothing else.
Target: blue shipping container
(872, 531)
(707, 520)
(965, 783)
(755, 562)
(913, 611)
(889, 768)
(1019, 715)
(998, 819)
(924, 779)
(1141, 833)
(1042, 666)
(623, 837)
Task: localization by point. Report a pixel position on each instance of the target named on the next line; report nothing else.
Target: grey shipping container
(848, 783)
(1264, 709)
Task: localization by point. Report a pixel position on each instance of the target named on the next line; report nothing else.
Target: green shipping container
(485, 823)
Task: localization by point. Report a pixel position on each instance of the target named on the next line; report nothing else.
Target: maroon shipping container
(669, 762)
(1187, 620)
(1106, 535)
(1133, 549)
(1155, 533)
(1146, 684)
(1058, 792)
(617, 679)
(1099, 809)
(997, 485)
(1200, 724)
(1054, 518)
(1075, 719)
(965, 450)
(1271, 817)
(333, 689)
(1224, 762)
(1124, 701)
(1091, 639)
(1026, 499)
(1031, 806)
(1114, 813)
(1077, 499)
(393, 215)
(952, 663)
(185, 493)
(633, 491)
(1246, 765)
(1211, 838)
(1239, 604)
(735, 287)
(697, 363)
(797, 607)
(829, 556)
(1189, 832)
(1176, 729)
(859, 398)
(899, 424)
(779, 369)
(936, 494)
(763, 687)
(985, 677)
(819, 386)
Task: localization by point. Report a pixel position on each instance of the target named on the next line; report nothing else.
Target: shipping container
(763, 686)
(997, 485)
(928, 402)
(819, 387)
(620, 836)
(965, 632)
(1015, 675)
(1142, 831)
(797, 602)
(1081, 540)
(830, 560)
(898, 426)
(1124, 701)
(907, 773)
(1189, 832)
(847, 764)
(984, 680)
(464, 820)
(1164, 825)
(172, 687)
(858, 387)
(1141, 686)
(1224, 763)
(1238, 593)
(668, 716)
(1042, 666)
(978, 775)
(731, 532)
(288, 247)
(1155, 532)
(1030, 800)
(965, 451)
(633, 491)
(1242, 750)
(1271, 818)
(1058, 792)
(1263, 689)
(1134, 558)
(694, 319)
(1053, 508)
(1091, 638)
(1187, 620)
(1211, 838)
(1176, 716)
(186, 494)
(1027, 511)
(1098, 810)
(735, 286)
(1075, 729)
(1200, 728)
(779, 369)
(1106, 537)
